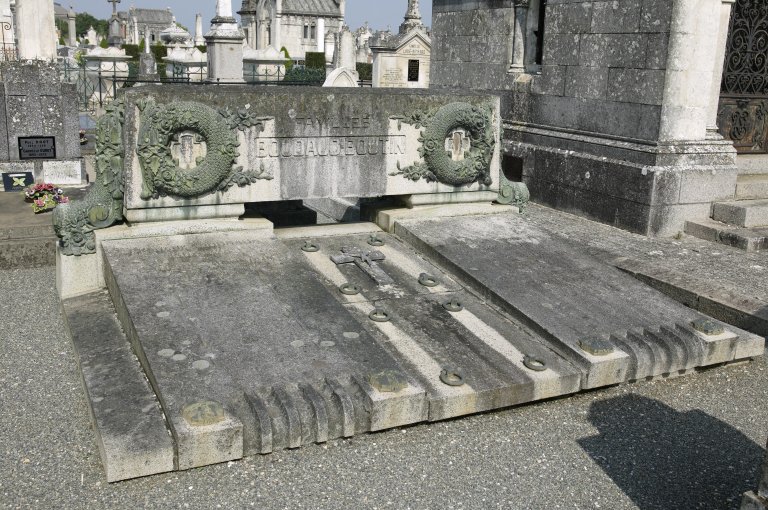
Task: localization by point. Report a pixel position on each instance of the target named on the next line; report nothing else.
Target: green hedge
(365, 71)
(315, 60)
(134, 51)
(305, 75)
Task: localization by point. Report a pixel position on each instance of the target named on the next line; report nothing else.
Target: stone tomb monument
(204, 335)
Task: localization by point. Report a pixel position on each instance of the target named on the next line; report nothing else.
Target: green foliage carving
(436, 126)
(102, 206)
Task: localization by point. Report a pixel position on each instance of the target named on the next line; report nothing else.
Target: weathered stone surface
(749, 239)
(129, 424)
(248, 325)
(570, 297)
(250, 345)
(743, 213)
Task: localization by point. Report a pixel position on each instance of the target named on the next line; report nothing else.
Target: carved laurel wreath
(161, 174)
(438, 165)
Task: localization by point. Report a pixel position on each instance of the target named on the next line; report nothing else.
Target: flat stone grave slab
(609, 324)
(250, 345)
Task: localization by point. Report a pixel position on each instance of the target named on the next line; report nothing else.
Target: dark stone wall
(603, 66)
(469, 44)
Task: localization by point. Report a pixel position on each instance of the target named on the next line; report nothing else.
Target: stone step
(752, 186)
(132, 436)
(742, 213)
(748, 239)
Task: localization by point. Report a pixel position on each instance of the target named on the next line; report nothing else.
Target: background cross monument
(115, 29)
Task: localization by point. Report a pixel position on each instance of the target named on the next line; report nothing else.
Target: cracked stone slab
(574, 300)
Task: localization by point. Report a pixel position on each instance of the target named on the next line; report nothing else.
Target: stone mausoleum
(298, 25)
(611, 108)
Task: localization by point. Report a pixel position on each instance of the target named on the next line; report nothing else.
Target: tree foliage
(84, 21)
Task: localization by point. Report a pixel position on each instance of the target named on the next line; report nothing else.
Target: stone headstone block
(268, 144)
(63, 172)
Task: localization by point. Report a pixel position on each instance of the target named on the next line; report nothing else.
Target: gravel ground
(691, 442)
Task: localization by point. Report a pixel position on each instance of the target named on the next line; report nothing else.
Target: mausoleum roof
(148, 16)
(319, 7)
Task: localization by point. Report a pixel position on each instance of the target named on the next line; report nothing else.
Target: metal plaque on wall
(37, 147)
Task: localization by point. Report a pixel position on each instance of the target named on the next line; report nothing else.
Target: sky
(380, 14)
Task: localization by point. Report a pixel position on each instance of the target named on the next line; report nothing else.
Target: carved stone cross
(457, 145)
(365, 261)
(114, 6)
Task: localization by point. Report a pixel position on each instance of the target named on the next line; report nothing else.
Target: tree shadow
(665, 459)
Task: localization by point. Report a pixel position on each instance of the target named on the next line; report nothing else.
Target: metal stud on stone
(375, 240)
(427, 280)
(453, 305)
(349, 289)
(452, 377)
(310, 247)
(388, 381)
(379, 315)
(202, 414)
(596, 346)
(708, 327)
(535, 364)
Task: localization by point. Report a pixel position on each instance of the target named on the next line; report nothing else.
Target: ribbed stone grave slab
(246, 349)
(483, 346)
(614, 327)
(250, 346)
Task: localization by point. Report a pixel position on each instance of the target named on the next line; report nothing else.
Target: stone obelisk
(225, 46)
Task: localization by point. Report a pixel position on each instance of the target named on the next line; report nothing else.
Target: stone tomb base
(206, 348)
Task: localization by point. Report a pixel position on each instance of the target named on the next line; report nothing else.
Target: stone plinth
(225, 50)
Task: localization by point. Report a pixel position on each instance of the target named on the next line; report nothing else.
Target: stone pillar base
(644, 187)
(225, 55)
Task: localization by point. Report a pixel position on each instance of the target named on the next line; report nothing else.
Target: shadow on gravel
(665, 459)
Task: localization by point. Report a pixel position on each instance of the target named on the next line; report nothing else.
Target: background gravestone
(39, 127)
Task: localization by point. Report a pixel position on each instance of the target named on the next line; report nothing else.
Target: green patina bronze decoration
(162, 176)
(437, 126)
(214, 172)
(514, 193)
(102, 206)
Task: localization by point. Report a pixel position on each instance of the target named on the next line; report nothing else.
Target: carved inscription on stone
(307, 147)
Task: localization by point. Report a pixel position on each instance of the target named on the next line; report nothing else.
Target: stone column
(36, 30)
(691, 58)
(253, 33)
(225, 46)
(136, 37)
(71, 27)
(519, 28)
(199, 41)
(277, 25)
(717, 72)
(321, 35)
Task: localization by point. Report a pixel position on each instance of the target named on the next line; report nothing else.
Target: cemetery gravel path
(692, 442)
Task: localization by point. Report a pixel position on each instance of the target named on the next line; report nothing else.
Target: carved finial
(413, 10)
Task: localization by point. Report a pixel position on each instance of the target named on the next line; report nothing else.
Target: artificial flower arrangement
(45, 197)
(83, 137)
